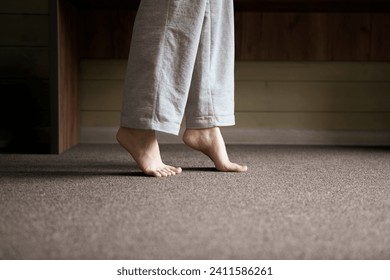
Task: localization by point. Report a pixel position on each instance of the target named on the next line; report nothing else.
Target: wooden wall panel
(290, 96)
(256, 70)
(380, 38)
(302, 36)
(100, 118)
(24, 6)
(348, 37)
(266, 96)
(311, 36)
(68, 100)
(275, 120)
(105, 34)
(108, 69)
(101, 95)
(282, 36)
(285, 95)
(312, 71)
(346, 121)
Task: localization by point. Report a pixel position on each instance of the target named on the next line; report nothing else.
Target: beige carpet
(295, 202)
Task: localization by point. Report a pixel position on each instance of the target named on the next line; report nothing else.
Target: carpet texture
(295, 202)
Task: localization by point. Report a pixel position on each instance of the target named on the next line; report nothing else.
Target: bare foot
(210, 142)
(143, 147)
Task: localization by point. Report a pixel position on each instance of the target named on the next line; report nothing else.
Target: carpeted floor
(295, 202)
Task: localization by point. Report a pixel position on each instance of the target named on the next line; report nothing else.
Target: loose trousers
(181, 63)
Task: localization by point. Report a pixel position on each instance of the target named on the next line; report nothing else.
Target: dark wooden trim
(64, 107)
(68, 119)
(327, 6)
(53, 76)
(351, 6)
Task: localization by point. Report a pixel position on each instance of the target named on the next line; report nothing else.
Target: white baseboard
(257, 136)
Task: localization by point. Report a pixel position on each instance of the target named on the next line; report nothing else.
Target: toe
(167, 171)
(153, 173)
(178, 170)
(174, 170)
(238, 168)
(163, 173)
(243, 168)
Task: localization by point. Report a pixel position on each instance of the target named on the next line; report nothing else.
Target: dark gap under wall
(24, 116)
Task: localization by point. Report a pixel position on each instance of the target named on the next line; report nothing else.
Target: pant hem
(210, 121)
(157, 126)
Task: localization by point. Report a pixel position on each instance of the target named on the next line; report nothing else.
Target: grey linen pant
(181, 62)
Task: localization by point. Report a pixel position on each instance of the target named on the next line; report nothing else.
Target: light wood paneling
(312, 97)
(315, 121)
(263, 71)
(106, 69)
(100, 118)
(286, 95)
(312, 71)
(24, 6)
(275, 120)
(101, 95)
(24, 30)
(251, 96)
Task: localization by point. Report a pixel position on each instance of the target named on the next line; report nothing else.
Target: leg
(161, 61)
(162, 56)
(211, 98)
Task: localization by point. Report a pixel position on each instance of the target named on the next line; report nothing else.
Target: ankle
(136, 131)
(127, 136)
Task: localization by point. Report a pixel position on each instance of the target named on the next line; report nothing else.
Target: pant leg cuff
(210, 121)
(146, 124)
